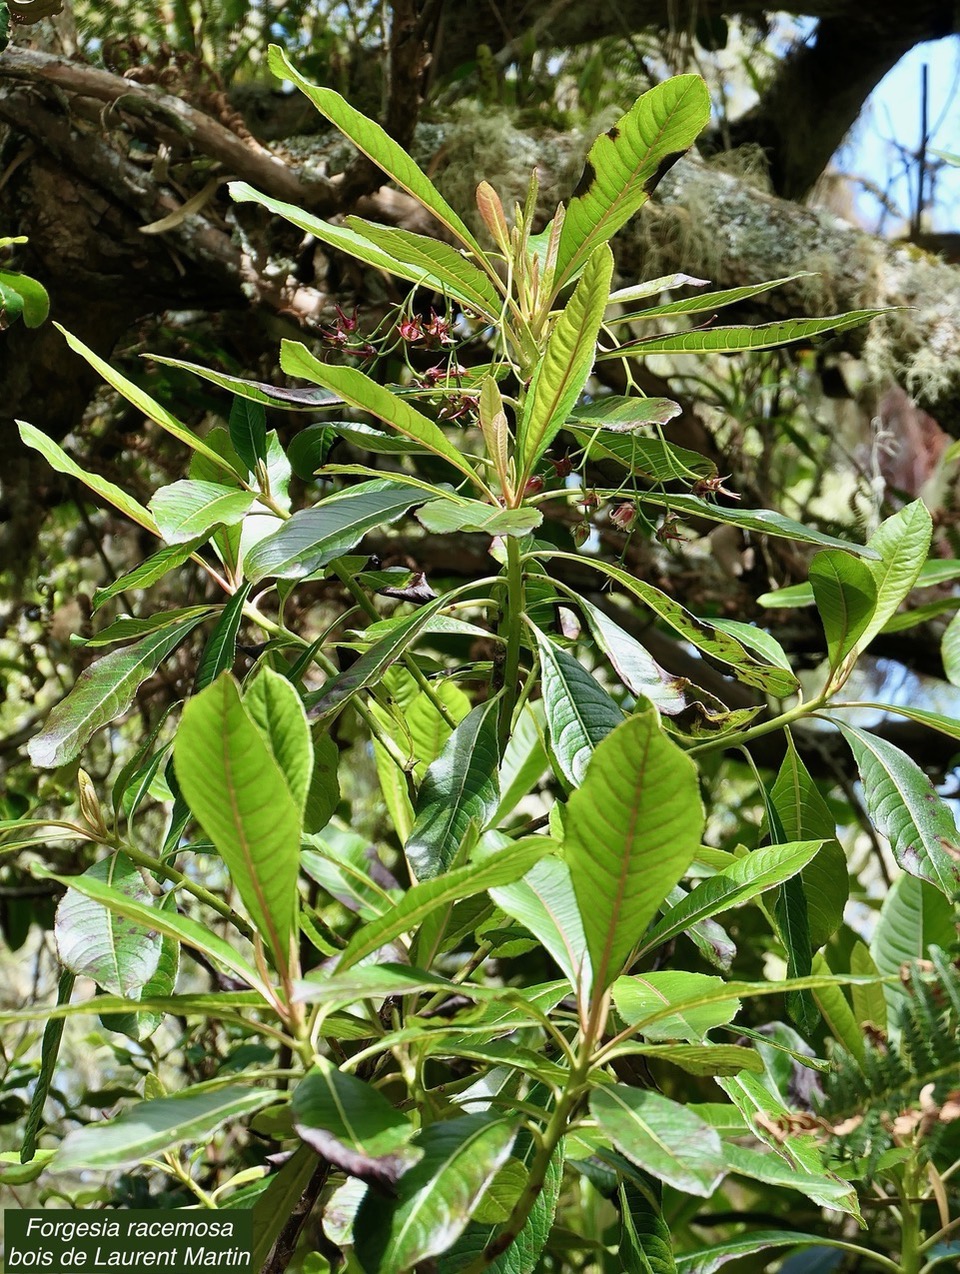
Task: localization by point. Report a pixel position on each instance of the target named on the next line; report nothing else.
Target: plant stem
(184, 882)
(910, 1234)
(740, 737)
(411, 665)
(511, 628)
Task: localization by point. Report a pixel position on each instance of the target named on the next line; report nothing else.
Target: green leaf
(460, 789)
(869, 1002)
(220, 651)
(907, 809)
(378, 981)
(240, 797)
(436, 1198)
(372, 664)
(617, 414)
(633, 829)
(661, 1136)
(351, 1124)
(902, 543)
(140, 1024)
(34, 298)
(152, 1127)
(633, 663)
(736, 340)
(914, 917)
(148, 572)
(757, 640)
(709, 301)
(11, 302)
(706, 637)
(838, 1015)
(313, 538)
(544, 903)
(360, 391)
(323, 794)
(950, 651)
(749, 876)
(523, 1254)
(168, 923)
(697, 1059)
(651, 457)
(456, 274)
(96, 943)
(248, 431)
(443, 517)
(126, 628)
(566, 363)
(765, 521)
(58, 459)
(805, 815)
(276, 710)
(579, 712)
(643, 995)
(12, 1171)
(524, 761)
(710, 1259)
(846, 595)
(276, 1205)
(625, 164)
(140, 399)
(429, 895)
(645, 1243)
(103, 692)
(376, 144)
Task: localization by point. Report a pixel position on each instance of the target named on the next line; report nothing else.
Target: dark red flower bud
(410, 329)
(533, 485)
(562, 467)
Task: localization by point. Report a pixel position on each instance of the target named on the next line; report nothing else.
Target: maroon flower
(706, 487)
(438, 330)
(623, 516)
(410, 329)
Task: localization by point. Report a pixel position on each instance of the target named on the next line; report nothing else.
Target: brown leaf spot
(613, 133)
(587, 178)
(662, 169)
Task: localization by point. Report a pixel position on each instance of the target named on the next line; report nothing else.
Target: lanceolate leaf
(652, 457)
(764, 520)
(544, 903)
(735, 340)
(707, 302)
(633, 664)
(220, 651)
(711, 640)
(751, 875)
(351, 1124)
(149, 571)
(804, 815)
(313, 538)
(143, 402)
(168, 923)
(463, 882)
(154, 1126)
(140, 1024)
(376, 145)
(661, 1136)
(460, 787)
(579, 712)
(907, 809)
(276, 711)
(103, 692)
(902, 543)
(373, 663)
(645, 1243)
(632, 831)
(446, 516)
(435, 1200)
(240, 797)
(118, 955)
(360, 391)
(624, 415)
(914, 917)
(248, 431)
(642, 996)
(457, 275)
(846, 594)
(58, 459)
(566, 363)
(710, 1259)
(625, 164)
